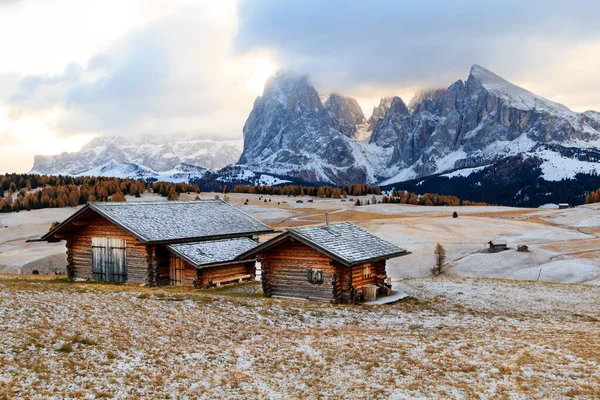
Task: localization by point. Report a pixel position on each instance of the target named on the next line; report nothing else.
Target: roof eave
(206, 265)
(201, 238)
(48, 236)
(381, 258)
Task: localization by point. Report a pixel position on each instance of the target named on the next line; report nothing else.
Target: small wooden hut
(324, 263)
(159, 243)
(497, 245)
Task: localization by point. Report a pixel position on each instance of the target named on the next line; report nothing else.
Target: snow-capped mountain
(471, 124)
(160, 154)
(290, 132)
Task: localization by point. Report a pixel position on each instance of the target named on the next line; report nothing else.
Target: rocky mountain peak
(512, 95)
(379, 112)
(398, 106)
(432, 95)
(289, 88)
(345, 113)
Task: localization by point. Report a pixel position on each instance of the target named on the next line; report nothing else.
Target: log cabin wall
(284, 270)
(181, 273)
(79, 250)
(375, 277)
(225, 273)
(159, 266)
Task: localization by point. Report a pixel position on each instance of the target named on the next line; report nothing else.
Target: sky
(75, 69)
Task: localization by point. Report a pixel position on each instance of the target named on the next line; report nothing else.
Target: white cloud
(172, 74)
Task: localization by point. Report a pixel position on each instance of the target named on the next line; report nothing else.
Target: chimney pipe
(327, 219)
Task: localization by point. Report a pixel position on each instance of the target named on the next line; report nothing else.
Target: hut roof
(213, 252)
(498, 242)
(345, 242)
(173, 221)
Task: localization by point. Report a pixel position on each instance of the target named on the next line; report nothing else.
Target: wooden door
(177, 266)
(109, 259)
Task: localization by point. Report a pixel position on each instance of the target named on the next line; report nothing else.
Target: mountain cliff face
(150, 152)
(477, 122)
(290, 132)
(379, 112)
(471, 124)
(345, 113)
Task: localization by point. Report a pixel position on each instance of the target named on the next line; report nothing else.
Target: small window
(315, 276)
(366, 272)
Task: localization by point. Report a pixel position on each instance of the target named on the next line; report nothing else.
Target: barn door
(109, 261)
(177, 267)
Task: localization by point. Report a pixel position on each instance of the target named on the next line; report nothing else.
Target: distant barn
(324, 263)
(497, 245)
(159, 243)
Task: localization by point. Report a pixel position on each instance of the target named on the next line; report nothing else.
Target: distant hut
(497, 245)
(324, 263)
(562, 206)
(522, 248)
(159, 243)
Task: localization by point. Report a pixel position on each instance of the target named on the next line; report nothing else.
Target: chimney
(326, 219)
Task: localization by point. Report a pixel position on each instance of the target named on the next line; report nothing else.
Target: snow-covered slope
(126, 170)
(160, 153)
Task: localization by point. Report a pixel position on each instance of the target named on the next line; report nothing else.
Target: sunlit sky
(75, 69)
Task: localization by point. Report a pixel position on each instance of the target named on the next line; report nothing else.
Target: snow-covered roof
(345, 242)
(174, 221)
(202, 254)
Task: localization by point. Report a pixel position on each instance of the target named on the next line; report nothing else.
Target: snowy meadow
(458, 338)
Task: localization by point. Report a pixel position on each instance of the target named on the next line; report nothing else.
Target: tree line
(313, 191)
(31, 191)
(593, 197)
(397, 197)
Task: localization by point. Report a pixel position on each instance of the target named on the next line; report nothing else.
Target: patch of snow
(557, 167)
(465, 172)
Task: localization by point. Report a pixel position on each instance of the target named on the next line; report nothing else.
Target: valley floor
(564, 244)
(453, 338)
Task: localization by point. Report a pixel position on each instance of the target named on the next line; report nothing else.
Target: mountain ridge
(293, 133)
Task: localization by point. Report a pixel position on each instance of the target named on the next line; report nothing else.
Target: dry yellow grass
(453, 339)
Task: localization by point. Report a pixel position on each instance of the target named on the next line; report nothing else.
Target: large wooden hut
(324, 263)
(159, 243)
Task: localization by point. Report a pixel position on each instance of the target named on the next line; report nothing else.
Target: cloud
(344, 45)
(174, 75)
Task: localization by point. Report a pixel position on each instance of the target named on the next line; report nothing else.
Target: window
(315, 276)
(366, 272)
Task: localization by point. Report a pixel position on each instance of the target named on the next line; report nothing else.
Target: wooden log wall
(79, 250)
(377, 276)
(160, 265)
(225, 273)
(285, 268)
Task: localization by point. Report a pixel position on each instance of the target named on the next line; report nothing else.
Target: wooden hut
(497, 245)
(324, 263)
(159, 243)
